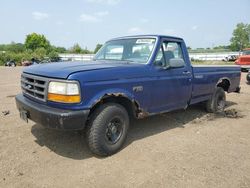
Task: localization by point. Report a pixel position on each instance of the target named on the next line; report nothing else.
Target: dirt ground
(180, 149)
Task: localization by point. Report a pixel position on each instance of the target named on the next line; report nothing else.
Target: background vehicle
(130, 77)
(248, 77)
(45, 61)
(244, 60)
(32, 62)
(230, 58)
(11, 63)
(26, 63)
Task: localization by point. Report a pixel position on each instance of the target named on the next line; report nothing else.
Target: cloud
(96, 17)
(195, 27)
(108, 2)
(40, 15)
(134, 30)
(89, 18)
(103, 13)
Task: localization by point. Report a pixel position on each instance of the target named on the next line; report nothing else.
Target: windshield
(131, 49)
(246, 52)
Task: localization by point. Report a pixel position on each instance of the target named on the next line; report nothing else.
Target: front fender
(117, 92)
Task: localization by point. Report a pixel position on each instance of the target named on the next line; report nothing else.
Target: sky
(202, 23)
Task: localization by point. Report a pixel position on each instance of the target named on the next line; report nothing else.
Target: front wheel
(107, 129)
(217, 102)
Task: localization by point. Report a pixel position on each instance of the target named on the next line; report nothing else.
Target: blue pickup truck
(129, 77)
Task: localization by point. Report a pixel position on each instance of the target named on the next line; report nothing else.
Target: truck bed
(205, 77)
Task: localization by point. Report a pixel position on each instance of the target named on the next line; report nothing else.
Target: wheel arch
(224, 83)
(124, 99)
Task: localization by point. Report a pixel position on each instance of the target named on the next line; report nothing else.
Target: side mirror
(176, 63)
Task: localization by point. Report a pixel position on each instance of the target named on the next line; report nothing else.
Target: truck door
(172, 87)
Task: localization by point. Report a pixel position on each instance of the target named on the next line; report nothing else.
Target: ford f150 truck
(129, 77)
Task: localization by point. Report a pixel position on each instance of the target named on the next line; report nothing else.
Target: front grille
(34, 86)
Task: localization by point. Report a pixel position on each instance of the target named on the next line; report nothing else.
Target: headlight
(65, 92)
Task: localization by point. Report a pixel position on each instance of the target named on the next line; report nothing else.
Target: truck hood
(63, 69)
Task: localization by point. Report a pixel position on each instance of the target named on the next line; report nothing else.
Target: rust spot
(108, 95)
(116, 94)
(139, 113)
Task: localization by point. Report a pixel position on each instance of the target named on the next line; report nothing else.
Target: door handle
(186, 72)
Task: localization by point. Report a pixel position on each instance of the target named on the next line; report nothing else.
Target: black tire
(107, 129)
(217, 102)
(248, 78)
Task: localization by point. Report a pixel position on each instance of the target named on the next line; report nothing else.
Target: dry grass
(212, 63)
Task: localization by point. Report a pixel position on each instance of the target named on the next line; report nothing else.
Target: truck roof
(154, 36)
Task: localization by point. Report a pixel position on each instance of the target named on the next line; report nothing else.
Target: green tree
(241, 37)
(58, 49)
(76, 49)
(86, 51)
(3, 58)
(221, 47)
(98, 46)
(13, 47)
(39, 53)
(53, 56)
(34, 41)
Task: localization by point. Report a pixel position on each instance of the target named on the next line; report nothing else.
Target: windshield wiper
(123, 60)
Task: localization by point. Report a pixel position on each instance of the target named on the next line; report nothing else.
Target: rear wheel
(217, 102)
(107, 129)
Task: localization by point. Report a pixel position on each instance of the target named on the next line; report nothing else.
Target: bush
(2, 58)
(17, 57)
(53, 56)
(39, 54)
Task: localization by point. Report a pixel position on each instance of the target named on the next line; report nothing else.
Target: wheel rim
(220, 103)
(114, 130)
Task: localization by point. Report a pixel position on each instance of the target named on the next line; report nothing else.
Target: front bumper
(52, 117)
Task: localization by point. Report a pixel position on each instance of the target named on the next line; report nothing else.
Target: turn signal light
(64, 98)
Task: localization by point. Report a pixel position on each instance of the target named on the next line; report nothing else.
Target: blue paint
(163, 90)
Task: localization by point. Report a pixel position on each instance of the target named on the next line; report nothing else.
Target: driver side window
(169, 50)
